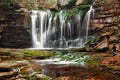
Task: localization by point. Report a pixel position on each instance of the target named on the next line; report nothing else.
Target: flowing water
(62, 70)
(57, 31)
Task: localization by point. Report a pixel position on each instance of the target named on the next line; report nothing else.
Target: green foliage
(97, 38)
(85, 6)
(94, 40)
(71, 13)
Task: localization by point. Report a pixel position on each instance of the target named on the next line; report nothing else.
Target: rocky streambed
(58, 65)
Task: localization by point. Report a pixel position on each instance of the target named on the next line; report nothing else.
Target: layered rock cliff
(14, 21)
(107, 21)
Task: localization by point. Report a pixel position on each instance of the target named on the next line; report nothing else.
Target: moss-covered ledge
(24, 54)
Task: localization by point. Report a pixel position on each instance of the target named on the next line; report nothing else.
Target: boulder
(79, 2)
(31, 68)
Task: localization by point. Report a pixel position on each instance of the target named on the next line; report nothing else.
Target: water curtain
(57, 30)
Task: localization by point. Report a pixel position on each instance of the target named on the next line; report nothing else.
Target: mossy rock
(37, 54)
(5, 53)
(94, 62)
(40, 77)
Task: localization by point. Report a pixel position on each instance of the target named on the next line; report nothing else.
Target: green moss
(85, 6)
(5, 53)
(114, 69)
(37, 54)
(40, 77)
(94, 62)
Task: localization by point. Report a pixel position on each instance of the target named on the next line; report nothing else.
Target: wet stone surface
(74, 71)
(100, 66)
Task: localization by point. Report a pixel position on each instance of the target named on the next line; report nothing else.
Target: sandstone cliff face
(107, 21)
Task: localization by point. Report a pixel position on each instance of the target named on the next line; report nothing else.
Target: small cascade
(59, 31)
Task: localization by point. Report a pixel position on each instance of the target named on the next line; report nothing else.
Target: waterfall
(58, 31)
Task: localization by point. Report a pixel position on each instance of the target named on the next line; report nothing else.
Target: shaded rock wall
(13, 28)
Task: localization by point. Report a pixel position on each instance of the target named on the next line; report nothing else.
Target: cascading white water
(57, 31)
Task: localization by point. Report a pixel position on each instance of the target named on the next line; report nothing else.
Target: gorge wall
(107, 22)
(14, 21)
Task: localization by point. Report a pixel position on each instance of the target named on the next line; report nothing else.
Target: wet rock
(22, 10)
(34, 67)
(5, 69)
(79, 2)
(63, 2)
(84, 49)
(26, 70)
(55, 70)
(114, 38)
(107, 61)
(117, 46)
(41, 77)
(90, 76)
(63, 78)
(112, 61)
(7, 75)
(112, 64)
(20, 79)
(106, 34)
(69, 3)
(114, 47)
(13, 64)
(4, 58)
(102, 45)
